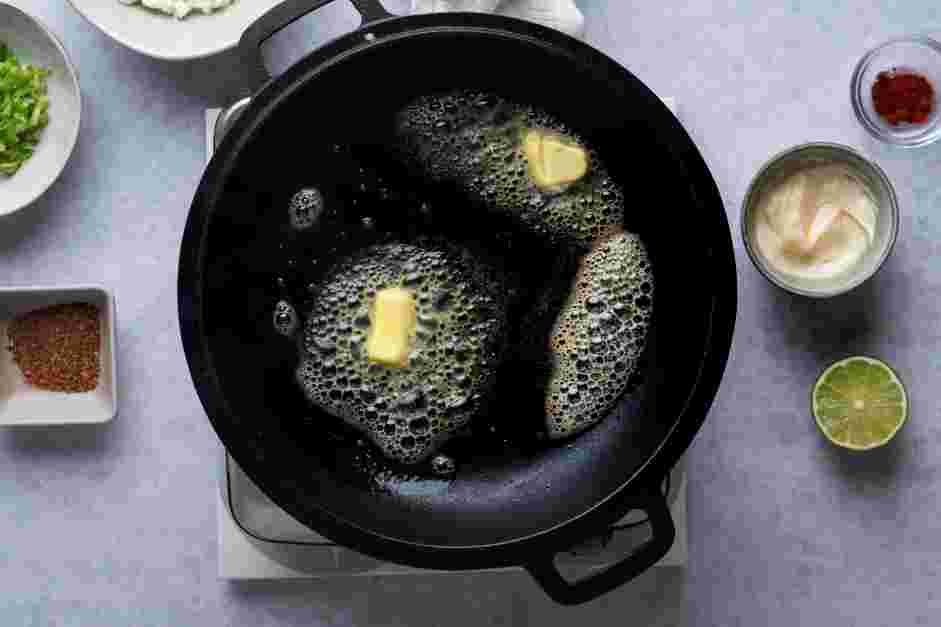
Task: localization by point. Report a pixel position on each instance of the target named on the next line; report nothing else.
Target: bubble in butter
(392, 319)
(816, 223)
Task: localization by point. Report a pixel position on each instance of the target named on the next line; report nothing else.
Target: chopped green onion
(24, 110)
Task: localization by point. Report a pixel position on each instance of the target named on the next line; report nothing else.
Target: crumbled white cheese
(182, 8)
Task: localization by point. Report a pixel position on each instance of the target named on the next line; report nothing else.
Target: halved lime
(859, 403)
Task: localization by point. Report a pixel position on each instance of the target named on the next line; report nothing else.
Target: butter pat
(391, 328)
(553, 160)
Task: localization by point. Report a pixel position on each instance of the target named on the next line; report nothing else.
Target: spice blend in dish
(900, 96)
(57, 348)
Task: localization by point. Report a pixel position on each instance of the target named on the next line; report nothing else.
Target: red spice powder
(903, 97)
(57, 347)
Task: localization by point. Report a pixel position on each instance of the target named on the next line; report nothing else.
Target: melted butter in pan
(459, 334)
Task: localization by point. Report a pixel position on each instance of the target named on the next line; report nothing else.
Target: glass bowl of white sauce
(819, 219)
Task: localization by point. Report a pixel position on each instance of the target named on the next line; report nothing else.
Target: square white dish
(24, 405)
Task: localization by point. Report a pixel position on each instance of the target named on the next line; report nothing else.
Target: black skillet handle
(643, 557)
(249, 47)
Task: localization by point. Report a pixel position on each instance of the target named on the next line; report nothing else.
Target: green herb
(24, 110)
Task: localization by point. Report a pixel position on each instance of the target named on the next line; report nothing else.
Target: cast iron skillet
(509, 505)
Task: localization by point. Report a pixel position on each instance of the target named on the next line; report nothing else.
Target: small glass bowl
(921, 55)
(887, 220)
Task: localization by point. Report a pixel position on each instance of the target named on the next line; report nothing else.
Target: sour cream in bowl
(819, 219)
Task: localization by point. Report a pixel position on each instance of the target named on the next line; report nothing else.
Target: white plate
(33, 43)
(22, 404)
(165, 37)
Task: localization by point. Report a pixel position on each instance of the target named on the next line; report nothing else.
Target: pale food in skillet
(478, 141)
(524, 162)
(404, 339)
(403, 343)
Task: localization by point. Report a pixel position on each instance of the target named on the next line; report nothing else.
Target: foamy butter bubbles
(479, 141)
(443, 465)
(586, 335)
(285, 318)
(305, 208)
(599, 334)
(460, 332)
(495, 151)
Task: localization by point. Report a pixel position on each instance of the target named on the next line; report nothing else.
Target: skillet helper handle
(562, 591)
(281, 16)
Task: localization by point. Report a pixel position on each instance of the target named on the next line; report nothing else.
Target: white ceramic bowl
(33, 43)
(165, 37)
(24, 405)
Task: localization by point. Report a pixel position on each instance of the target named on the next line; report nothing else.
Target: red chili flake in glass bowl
(902, 96)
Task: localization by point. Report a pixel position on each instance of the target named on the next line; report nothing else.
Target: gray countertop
(116, 525)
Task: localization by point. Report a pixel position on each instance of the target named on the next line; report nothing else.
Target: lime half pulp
(859, 403)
